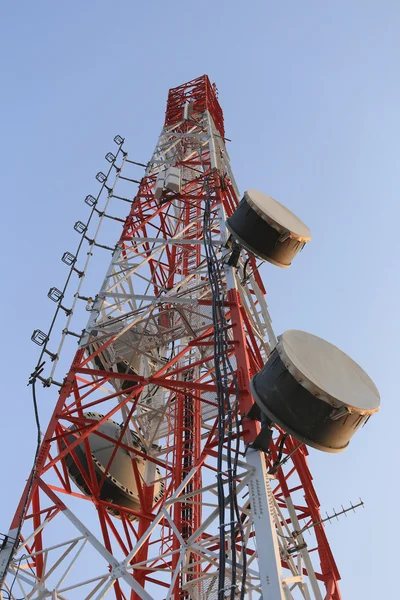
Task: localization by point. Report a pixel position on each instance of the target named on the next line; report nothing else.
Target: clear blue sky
(311, 96)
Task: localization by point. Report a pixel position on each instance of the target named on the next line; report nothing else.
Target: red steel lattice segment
(202, 96)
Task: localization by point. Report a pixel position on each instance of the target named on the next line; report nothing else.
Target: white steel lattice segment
(144, 387)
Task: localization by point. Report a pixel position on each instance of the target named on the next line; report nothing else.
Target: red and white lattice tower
(152, 479)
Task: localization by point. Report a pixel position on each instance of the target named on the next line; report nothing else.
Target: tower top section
(200, 95)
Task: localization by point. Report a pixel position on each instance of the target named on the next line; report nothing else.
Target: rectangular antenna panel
(173, 180)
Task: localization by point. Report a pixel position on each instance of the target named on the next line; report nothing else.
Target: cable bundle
(228, 417)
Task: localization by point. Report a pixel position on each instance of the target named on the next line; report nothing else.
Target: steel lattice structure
(213, 508)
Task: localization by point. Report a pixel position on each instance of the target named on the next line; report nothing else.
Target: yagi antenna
(329, 518)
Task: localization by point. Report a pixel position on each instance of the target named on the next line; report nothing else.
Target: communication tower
(174, 465)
